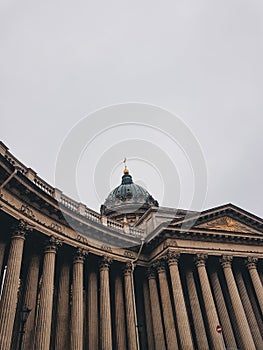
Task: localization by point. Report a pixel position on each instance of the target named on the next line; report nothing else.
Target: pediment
(226, 223)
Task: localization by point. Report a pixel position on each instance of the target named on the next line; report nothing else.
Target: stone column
(261, 276)
(93, 311)
(228, 333)
(183, 325)
(62, 326)
(129, 304)
(253, 301)
(252, 268)
(10, 289)
(77, 301)
(156, 311)
(255, 331)
(242, 323)
(30, 299)
(105, 305)
(199, 326)
(2, 255)
(43, 330)
(120, 314)
(148, 315)
(210, 308)
(169, 325)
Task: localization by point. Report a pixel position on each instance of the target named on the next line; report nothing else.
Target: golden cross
(125, 160)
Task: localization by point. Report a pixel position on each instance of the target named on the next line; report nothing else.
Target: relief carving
(82, 239)
(54, 226)
(226, 224)
(106, 248)
(27, 211)
(129, 254)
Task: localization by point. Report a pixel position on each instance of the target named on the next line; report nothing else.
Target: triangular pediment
(226, 223)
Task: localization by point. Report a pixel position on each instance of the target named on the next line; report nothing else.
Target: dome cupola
(128, 201)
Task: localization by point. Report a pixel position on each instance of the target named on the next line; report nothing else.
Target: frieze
(82, 239)
(170, 243)
(40, 219)
(55, 227)
(27, 211)
(106, 248)
(129, 254)
(77, 237)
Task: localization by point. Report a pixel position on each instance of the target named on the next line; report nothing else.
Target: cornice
(52, 206)
(56, 202)
(69, 237)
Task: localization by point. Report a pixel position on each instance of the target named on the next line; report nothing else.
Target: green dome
(128, 195)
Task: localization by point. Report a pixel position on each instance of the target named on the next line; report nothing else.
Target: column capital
(128, 268)
(200, 259)
(160, 265)
(150, 272)
(105, 262)
(251, 262)
(226, 260)
(21, 229)
(172, 257)
(52, 244)
(80, 256)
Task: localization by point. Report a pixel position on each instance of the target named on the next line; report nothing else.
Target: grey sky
(201, 60)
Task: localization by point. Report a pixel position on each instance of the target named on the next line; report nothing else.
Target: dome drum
(128, 200)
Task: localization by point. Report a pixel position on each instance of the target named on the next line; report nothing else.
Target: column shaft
(129, 305)
(253, 301)
(148, 315)
(9, 294)
(30, 299)
(210, 308)
(200, 333)
(120, 315)
(183, 325)
(252, 268)
(240, 316)
(43, 330)
(156, 312)
(169, 325)
(2, 255)
(225, 322)
(255, 331)
(93, 312)
(62, 325)
(105, 306)
(77, 301)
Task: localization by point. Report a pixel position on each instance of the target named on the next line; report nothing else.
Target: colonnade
(81, 301)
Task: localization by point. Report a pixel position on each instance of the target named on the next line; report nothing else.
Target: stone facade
(193, 283)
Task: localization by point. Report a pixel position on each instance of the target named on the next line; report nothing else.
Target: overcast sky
(199, 60)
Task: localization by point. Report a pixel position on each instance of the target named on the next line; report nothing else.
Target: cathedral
(134, 276)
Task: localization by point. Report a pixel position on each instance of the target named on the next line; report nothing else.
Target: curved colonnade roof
(25, 194)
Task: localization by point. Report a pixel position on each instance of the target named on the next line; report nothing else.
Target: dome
(128, 197)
